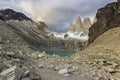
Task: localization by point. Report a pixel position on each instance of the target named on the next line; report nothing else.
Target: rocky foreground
(20, 60)
(84, 65)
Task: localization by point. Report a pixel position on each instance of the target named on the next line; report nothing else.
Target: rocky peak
(118, 0)
(78, 24)
(9, 14)
(107, 17)
(42, 26)
(71, 27)
(86, 23)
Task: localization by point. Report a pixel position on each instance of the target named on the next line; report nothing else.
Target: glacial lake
(60, 53)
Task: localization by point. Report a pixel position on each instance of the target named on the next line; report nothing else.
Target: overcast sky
(57, 14)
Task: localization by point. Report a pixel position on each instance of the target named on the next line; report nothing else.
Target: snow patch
(70, 34)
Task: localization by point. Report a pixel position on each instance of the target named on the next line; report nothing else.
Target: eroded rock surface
(107, 17)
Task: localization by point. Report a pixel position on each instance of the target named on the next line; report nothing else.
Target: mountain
(9, 14)
(107, 17)
(81, 26)
(42, 26)
(103, 51)
(78, 24)
(71, 27)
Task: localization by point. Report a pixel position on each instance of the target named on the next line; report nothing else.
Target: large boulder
(107, 17)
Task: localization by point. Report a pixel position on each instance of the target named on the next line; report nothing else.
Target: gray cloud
(56, 13)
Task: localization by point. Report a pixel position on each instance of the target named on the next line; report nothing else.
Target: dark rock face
(9, 14)
(107, 17)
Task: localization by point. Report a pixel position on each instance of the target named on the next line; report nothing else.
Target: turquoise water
(60, 53)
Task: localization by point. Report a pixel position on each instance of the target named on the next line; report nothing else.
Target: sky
(57, 14)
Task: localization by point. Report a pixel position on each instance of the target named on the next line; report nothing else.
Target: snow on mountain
(70, 34)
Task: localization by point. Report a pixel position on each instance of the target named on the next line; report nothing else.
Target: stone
(109, 69)
(10, 53)
(18, 73)
(8, 71)
(41, 66)
(63, 71)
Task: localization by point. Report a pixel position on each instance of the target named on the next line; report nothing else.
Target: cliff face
(71, 27)
(42, 26)
(78, 24)
(81, 25)
(107, 17)
(86, 23)
(9, 14)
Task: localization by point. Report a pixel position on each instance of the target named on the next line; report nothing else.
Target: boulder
(8, 71)
(63, 71)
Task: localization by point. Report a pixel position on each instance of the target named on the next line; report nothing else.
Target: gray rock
(18, 73)
(63, 71)
(41, 66)
(10, 53)
(8, 71)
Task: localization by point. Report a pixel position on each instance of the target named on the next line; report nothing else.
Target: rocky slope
(9, 14)
(107, 17)
(103, 54)
(35, 33)
(99, 61)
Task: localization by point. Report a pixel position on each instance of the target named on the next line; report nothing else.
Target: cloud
(56, 13)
